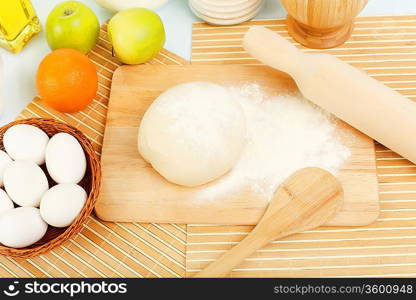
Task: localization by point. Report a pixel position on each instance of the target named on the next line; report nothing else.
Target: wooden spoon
(306, 200)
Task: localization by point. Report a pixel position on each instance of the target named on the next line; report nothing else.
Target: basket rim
(93, 164)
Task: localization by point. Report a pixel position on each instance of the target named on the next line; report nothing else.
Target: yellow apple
(137, 35)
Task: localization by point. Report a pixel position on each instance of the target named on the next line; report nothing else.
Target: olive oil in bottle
(18, 24)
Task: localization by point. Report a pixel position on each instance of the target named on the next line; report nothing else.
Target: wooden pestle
(348, 93)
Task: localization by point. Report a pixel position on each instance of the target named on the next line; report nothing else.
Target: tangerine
(67, 80)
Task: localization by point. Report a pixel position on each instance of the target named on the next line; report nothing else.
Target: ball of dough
(193, 133)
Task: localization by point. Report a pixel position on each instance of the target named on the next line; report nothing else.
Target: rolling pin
(339, 88)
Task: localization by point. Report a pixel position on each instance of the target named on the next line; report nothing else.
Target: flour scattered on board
(284, 133)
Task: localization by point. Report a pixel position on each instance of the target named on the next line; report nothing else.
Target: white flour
(285, 133)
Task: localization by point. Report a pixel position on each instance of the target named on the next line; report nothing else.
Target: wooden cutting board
(133, 191)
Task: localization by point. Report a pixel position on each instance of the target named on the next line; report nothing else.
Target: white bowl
(229, 12)
(232, 20)
(227, 17)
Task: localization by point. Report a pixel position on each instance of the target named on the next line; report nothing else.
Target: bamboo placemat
(104, 249)
(385, 48)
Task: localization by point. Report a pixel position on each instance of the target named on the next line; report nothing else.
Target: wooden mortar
(322, 24)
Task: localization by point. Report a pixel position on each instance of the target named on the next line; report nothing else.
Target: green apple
(137, 35)
(72, 24)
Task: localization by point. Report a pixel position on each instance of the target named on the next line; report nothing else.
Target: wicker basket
(91, 183)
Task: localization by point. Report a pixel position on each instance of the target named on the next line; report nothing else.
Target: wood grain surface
(104, 249)
(385, 48)
(322, 24)
(133, 191)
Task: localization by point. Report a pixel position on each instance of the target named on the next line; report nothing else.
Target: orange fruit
(67, 80)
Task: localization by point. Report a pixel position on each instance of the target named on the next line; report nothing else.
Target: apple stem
(68, 12)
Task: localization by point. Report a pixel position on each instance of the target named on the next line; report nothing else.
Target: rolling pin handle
(286, 57)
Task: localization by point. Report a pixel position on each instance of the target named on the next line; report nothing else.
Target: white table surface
(17, 85)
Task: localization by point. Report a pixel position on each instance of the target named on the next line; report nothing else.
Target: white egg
(5, 160)
(5, 202)
(25, 182)
(65, 159)
(21, 227)
(61, 205)
(26, 142)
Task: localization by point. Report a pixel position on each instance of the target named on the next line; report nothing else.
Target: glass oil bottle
(18, 24)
